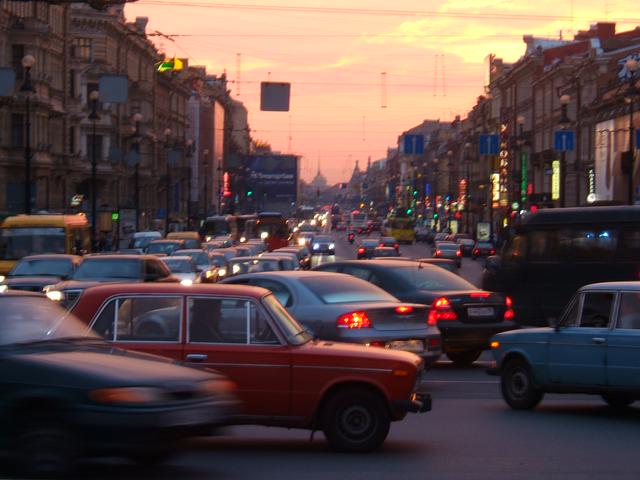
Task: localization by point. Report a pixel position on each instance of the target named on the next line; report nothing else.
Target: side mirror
(492, 263)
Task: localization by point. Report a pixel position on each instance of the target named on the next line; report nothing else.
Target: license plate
(407, 345)
(481, 312)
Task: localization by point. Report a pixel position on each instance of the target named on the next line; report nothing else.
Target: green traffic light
(249, 193)
(409, 211)
(415, 193)
(435, 215)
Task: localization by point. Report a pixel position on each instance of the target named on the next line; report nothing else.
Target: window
(629, 244)
(570, 318)
(281, 292)
(596, 309)
(98, 140)
(629, 312)
(234, 321)
(517, 249)
(592, 245)
(17, 53)
(361, 273)
(155, 269)
(82, 48)
(143, 319)
(17, 130)
(542, 245)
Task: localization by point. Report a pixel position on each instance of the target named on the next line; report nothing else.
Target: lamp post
(205, 168)
(167, 137)
(564, 123)
(94, 117)
(436, 210)
(632, 91)
(189, 151)
(137, 118)
(519, 164)
(467, 204)
(450, 189)
(28, 61)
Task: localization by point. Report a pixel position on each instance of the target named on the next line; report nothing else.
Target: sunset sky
(334, 54)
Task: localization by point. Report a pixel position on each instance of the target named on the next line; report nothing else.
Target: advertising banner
(273, 178)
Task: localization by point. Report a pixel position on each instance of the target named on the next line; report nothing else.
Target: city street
(470, 434)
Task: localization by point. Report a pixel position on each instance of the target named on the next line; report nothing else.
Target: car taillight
(396, 246)
(492, 252)
(354, 320)
(458, 253)
(509, 314)
(381, 245)
(476, 251)
(441, 310)
(404, 309)
(438, 252)
(361, 250)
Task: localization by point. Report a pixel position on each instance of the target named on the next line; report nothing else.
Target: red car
(284, 377)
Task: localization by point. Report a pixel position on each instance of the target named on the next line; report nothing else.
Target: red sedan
(284, 377)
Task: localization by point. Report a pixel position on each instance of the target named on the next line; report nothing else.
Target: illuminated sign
(555, 180)
(592, 180)
(226, 185)
(504, 165)
(495, 189)
(524, 180)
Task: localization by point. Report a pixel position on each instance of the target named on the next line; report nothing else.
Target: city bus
(23, 235)
(400, 228)
(358, 221)
(271, 227)
(219, 226)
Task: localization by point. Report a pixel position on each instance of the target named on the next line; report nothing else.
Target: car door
(577, 350)
(237, 338)
(623, 347)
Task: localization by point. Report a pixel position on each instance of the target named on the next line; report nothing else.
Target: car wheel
(618, 400)
(356, 420)
(464, 359)
(518, 387)
(45, 448)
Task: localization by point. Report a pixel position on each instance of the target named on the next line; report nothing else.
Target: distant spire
(318, 174)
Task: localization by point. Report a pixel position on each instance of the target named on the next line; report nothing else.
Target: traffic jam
(261, 319)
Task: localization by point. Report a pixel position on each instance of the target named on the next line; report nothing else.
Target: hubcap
(356, 421)
(519, 383)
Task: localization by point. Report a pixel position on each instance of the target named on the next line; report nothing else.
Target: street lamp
(167, 137)
(137, 118)
(94, 117)
(467, 203)
(436, 210)
(450, 191)
(189, 149)
(564, 124)
(28, 61)
(519, 165)
(632, 91)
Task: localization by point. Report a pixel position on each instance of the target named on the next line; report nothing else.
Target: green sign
(524, 181)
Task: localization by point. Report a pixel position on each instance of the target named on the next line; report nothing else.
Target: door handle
(197, 357)
(598, 340)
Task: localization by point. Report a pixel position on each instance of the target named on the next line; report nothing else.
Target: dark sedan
(483, 249)
(466, 246)
(65, 393)
(302, 252)
(385, 252)
(389, 242)
(449, 250)
(323, 244)
(366, 248)
(466, 316)
(346, 309)
(35, 272)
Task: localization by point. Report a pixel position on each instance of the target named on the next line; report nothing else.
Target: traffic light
(409, 211)
(415, 193)
(115, 216)
(250, 193)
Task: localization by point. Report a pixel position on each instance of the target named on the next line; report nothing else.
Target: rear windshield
(336, 289)
(179, 266)
(58, 268)
(448, 246)
(433, 278)
(99, 269)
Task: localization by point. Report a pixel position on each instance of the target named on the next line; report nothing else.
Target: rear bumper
(419, 403)
(461, 337)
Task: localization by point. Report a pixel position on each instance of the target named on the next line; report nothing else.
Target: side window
(154, 269)
(234, 321)
(104, 325)
(376, 280)
(629, 244)
(517, 249)
(282, 293)
(593, 245)
(629, 312)
(570, 318)
(330, 268)
(358, 272)
(542, 243)
(596, 309)
(148, 319)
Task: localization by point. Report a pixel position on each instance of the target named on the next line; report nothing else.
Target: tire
(518, 387)
(618, 400)
(45, 448)
(464, 359)
(356, 420)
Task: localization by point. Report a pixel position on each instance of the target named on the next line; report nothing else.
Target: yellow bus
(23, 235)
(400, 228)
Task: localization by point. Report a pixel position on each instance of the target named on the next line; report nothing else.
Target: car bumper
(464, 336)
(419, 403)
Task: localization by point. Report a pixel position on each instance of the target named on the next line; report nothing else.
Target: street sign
(414, 144)
(7, 81)
(564, 141)
(489, 144)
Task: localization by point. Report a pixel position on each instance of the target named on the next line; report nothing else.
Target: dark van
(553, 252)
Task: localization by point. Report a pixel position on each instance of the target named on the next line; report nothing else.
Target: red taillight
(492, 252)
(483, 295)
(476, 251)
(509, 314)
(440, 310)
(354, 320)
(396, 246)
(381, 245)
(438, 252)
(361, 250)
(458, 253)
(404, 309)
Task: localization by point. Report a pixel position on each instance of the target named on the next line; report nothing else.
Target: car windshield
(448, 246)
(179, 266)
(19, 242)
(163, 247)
(370, 243)
(433, 278)
(45, 267)
(218, 260)
(199, 258)
(322, 239)
(294, 332)
(385, 252)
(36, 319)
(107, 269)
(484, 245)
(345, 289)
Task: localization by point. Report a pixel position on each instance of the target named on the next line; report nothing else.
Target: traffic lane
(460, 438)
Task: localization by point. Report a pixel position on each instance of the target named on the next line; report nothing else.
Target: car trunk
(397, 317)
(477, 307)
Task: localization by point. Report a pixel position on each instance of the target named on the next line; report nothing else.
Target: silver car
(339, 307)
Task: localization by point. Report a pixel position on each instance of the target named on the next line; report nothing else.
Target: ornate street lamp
(28, 61)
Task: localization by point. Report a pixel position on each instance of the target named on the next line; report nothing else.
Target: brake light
(492, 252)
(354, 320)
(361, 250)
(509, 314)
(438, 252)
(441, 310)
(404, 309)
(395, 245)
(458, 253)
(381, 245)
(476, 251)
(484, 295)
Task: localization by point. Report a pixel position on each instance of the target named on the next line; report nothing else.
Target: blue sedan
(594, 348)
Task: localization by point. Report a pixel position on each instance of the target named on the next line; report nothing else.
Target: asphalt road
(470, 434)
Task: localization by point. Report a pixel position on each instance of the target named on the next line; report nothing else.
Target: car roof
(169, 240)
(586, 215)
(191, 250)
(120, 256)
(20, 293)
(383, 264)
(107, 290)
(635, 286)
(48, 256)
(184, 258)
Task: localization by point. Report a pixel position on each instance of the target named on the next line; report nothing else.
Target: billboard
(273, 179)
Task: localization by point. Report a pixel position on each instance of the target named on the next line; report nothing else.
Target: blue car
(593, 348)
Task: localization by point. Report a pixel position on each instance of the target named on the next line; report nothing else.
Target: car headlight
(208, 274)
(295, 229)
(55, 295)
(314, 223)
(235, 269)
(2, 278)
(4, 288)
(302, 242)
(264, 235)
(316, 246)
(187, 282)
(131, 395)
(208, 238)
(222, 272)
(243, 239)
(332, 246)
